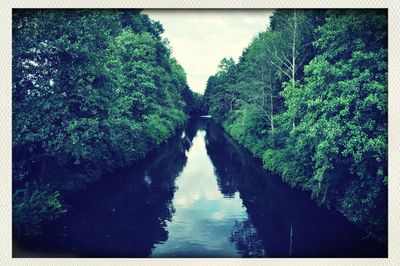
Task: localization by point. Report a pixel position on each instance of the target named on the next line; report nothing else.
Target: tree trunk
(272, 112)
(294, 56)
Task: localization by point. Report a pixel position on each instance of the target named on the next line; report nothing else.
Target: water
(204, 217)
(199, 195)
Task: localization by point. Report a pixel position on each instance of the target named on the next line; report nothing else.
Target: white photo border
(6, 7)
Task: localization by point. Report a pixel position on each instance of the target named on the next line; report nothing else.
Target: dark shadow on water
(122, 215)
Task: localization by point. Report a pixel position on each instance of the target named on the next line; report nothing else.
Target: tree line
(92, 90)
(309, 97)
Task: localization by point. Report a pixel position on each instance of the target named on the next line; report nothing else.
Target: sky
(201, 38)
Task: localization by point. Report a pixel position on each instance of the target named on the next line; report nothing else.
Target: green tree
(92, 90)
(309, 95)
(343, 105)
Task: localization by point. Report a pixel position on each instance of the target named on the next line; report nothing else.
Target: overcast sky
(201, 38)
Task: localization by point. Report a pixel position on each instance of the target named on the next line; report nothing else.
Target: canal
(198, 195)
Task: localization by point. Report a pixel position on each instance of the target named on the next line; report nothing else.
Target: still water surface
(199, 195)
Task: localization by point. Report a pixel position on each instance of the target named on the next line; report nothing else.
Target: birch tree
(290, 53)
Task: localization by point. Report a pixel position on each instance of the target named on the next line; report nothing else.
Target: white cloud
(201, 38)
(218, 216)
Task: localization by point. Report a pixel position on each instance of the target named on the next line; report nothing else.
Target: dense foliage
(92, 90)
(309, 96)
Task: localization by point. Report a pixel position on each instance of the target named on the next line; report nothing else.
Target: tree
(219, 92)
(293, 49)
(344, 123)
(92, 90)
(310, 98)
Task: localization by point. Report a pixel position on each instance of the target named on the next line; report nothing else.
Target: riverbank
(372, 228)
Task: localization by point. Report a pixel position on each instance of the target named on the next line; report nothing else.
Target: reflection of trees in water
(222, 159)
(196, 124)
(125, 213)
(230, 168)
(267, 231)
(244, 236)
(282, 221)
(268, 227)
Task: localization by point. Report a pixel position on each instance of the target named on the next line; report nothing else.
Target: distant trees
(92, 90)
(221, 98)
(311, 99)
